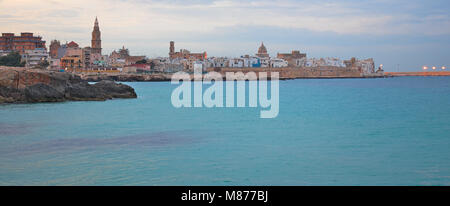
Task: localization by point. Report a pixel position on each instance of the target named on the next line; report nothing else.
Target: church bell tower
(96, 43)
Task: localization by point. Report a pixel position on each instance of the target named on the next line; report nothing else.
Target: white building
(301, 62)
(254, 62)
(236, 62)
(3, 53)
(246, 61)
(54, 63)
(217, 62)
(198, 66)
(34, 57)
(367, 65)
(328, 61)
(265, 61)
(278, 63)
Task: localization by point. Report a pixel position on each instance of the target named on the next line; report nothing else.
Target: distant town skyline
(398, 34)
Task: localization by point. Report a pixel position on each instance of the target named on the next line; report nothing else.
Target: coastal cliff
(21, 85)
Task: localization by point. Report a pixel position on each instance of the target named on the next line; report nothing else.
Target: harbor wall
(431, 73)
(301, 72)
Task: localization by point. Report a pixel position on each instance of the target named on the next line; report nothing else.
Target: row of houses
(246, 61)
(254, 61)
(70, 56)
(168, 65)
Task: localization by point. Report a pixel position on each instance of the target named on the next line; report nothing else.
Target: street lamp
(434, 68)
(443, 67)
(425, 67)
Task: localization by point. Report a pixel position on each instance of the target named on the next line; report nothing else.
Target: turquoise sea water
(392, 131)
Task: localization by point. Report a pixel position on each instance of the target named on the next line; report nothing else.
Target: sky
(403, 35)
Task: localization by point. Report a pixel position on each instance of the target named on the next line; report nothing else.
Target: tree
(152, 65)
(44, 64)
(13, 59)
(142, 61)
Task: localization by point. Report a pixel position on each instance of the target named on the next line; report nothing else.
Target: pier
(401, 74)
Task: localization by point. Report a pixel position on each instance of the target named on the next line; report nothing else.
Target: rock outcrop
(20, 85)
(123, 77)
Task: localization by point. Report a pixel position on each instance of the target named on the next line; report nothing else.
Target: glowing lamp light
(425, 68)
(443, 67)
(434, 68)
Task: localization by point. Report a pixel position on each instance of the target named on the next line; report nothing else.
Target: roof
(72, 44)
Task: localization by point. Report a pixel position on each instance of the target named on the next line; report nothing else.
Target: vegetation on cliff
(13, 59)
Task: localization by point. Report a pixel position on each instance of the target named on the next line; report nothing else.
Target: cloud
(232, 27)
(174, 16)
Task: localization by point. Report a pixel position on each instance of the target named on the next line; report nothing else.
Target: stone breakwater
(430, 73)
(21, 85)
(304, 72)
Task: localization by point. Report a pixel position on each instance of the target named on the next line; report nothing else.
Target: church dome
(262, 49)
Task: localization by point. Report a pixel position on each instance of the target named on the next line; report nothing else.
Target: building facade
(185, 54)
(34, 57)
(26, 41)
(86, 57)
(292, 57)
(54, 46)
(71, 63)
(72, 57)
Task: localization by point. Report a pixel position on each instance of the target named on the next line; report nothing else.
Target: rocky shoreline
(97, 77)
(22, 85)
(126, 77)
